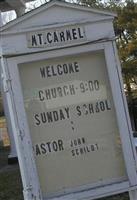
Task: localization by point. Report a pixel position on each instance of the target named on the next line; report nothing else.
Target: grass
(11, 185)
(10, 180)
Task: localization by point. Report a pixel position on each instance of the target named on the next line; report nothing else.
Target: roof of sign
(57, 12)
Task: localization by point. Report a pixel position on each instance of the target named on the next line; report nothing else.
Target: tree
(125, 26)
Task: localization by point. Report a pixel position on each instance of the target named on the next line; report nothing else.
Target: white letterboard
(72, 122)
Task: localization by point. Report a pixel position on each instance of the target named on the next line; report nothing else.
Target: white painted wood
(129, 159)
(1, 23)
(99, 37)
(133, 140)
(133, 194)
(11, 43)
(125, 130)
(49, 16)
(27, 173)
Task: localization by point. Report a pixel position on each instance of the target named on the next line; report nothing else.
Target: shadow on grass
(10, 185)
(4, 151)
(10, 180)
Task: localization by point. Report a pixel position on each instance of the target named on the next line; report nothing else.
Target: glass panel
(72, 122)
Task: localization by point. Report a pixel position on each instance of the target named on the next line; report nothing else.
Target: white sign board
(72, 122)
(65, 99)
(56, 37)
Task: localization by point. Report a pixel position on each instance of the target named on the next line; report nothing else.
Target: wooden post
(12, 158)
(133, 195)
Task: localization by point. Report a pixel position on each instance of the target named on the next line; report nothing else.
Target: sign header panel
(56, 37)
(72, 122)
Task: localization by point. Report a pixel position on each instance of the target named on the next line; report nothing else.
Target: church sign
(72, 121)
(67, 106)
(56, 37)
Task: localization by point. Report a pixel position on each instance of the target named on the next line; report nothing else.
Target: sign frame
(14, 97)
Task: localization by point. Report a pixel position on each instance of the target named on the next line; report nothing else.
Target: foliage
(126, 37)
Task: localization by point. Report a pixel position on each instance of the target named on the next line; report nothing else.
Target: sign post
(72, 129)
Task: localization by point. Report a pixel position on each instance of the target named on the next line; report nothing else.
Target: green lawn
(11, 185)
(10, 181)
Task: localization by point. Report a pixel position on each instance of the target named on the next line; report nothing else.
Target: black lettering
(91, 86)
(80, 34)
(37, 119)
(59, 89)
(83, 140)
(40, 38)
(78, 110)
(72, 89)
(68, 35)
(61, 115)
(71, 143)
(43, 117)
(108, 105)
(41, 95)
(67, 112)
(49, 37)
(43, 148)
(48, 94)
(53, 71)
(81, 151)
(102, 106)
(65, 68)
(59, 67)
(34, 41)
(55, 146)
(74, 32)
(55, 37)
(60, 144)
(56, 116)
(73, 153)
(77, 153)
(87, 148)
(79, 141)
(65, 89)
(92, 148)
(76, 67)
(48, 71)
(62, 37)
(84, 149)
(49, 117)
(75, 142)
(42, 72)
(53, 92)
(96, 84)
(37, 150)
(71, 70)
(97, 146)
(97, 107)
(85, 108)
(49, 147)
(91, 109)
